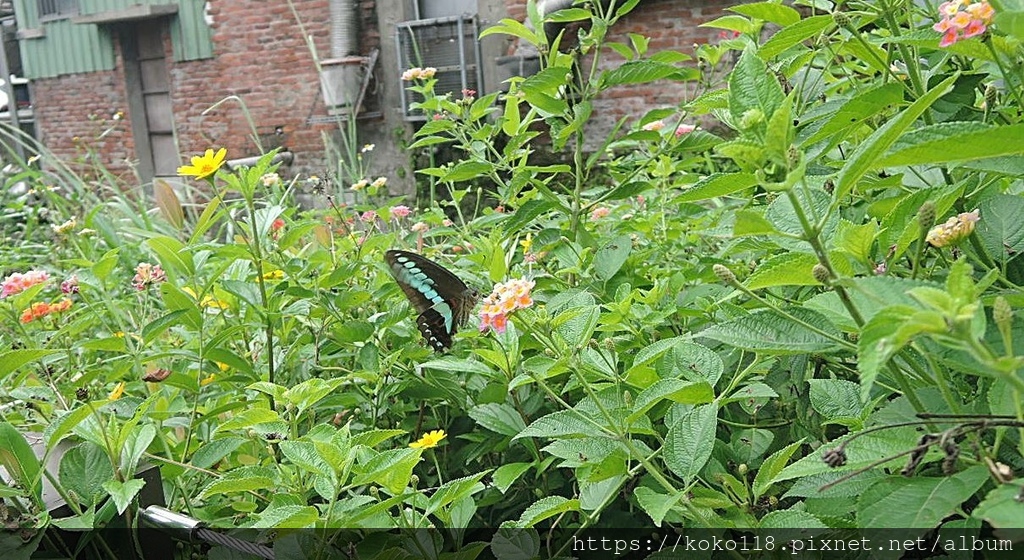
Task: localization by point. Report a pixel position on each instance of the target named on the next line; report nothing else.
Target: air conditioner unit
(449, 44)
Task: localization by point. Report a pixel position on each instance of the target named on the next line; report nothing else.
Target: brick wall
(671, 25)
(259, 55)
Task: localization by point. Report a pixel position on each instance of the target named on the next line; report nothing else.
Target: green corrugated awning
(133, 13)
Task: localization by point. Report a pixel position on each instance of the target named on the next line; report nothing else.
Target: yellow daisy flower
(117, 392)
(429, 440)
(204, 165)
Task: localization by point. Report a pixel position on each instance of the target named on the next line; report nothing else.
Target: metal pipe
(344, 28)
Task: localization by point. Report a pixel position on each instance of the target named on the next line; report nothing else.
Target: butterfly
(442, 300)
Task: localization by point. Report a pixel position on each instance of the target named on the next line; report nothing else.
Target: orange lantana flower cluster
(962, 19)
(955, 229)
(504, 299)
(41, 309)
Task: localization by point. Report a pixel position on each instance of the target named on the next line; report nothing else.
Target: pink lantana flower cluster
(148, 274)
(18, 282)
(503, 300)
(962, 19)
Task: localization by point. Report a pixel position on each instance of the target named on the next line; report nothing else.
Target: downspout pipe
(344, 28)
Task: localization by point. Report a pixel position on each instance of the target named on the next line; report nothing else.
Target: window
(57, 9)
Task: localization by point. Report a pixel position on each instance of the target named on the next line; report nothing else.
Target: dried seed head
(724, 274)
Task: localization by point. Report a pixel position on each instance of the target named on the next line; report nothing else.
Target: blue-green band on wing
(442, 300)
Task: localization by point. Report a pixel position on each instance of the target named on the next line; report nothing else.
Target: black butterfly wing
(441, 298)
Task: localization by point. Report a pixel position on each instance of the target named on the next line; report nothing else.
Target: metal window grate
(448, 44)
(57, 9)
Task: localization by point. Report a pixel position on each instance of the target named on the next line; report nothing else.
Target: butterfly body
(442, 300)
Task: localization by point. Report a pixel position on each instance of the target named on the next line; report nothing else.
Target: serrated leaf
(637, 72)
(506, 475)
(771, 467)
(786, 269)
(769, 11)
(752, 87)
(391, 469)
(556, 424)
(656, 505)
(675, 390)
(123, 492)
(837, 400)
(917, 502)
(467, 170)
(1001, 229)
(717, 184)
(286, 517)
(789, 519)
(856, 110)
(689, 442)
(611, 256)
(498, 417)
(949, 142)
(304, 455)
(526, 214)
(1001, 506)
(454, 490)
(767, 332)
(870, 150)
(793, 35)
(545, 508)
(14, 359)
(20, 462)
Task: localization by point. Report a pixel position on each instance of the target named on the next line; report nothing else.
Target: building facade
(142, 84)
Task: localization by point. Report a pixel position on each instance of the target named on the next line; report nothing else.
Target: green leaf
(949, 142)
(856, 240)
(454, 490)
(863, 452)
(561, 423)
(837, 400)
(549, 80)
(157, 326)
(690, 440)
(304, 455)
(731, 23)
(917, 502)
(1001, 507)
(14, 359)
(611, 256)
(309, 392)
(545, 508)
(213, 451)
(576, 325)
(637, 72)
(506, 475)
(466, 171)
(17, 457)
(855, 111)
(249, 418)
(789, 519)
(869, 152)
(391, 469)
(1001, 228)
(287, 516)
(675, 390)
(243, 479)
(373, 438)
(514, 28)
(172, 254)
(526, 214)
(766, 332)
(769, 11)
(793, 35)
(123, 492)
(656, 505)
(498, 417)
(785, 269)
(877, 343)
(717, 184)
(771, 467)
(510, 543)
(83, 470)
(135, 445)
